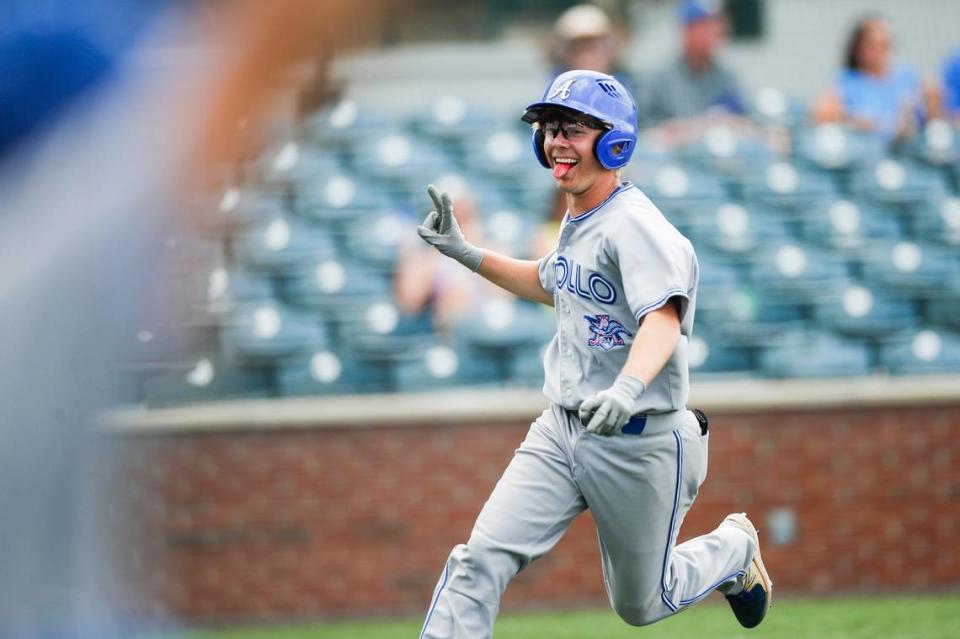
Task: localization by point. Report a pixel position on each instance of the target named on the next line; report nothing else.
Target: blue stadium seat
(891, 181)
(401, 162)
(937, 145)
(438, 365)
(223, 289)
(525, 366)
(845, 225)
(678, 191)
(207, 378)
(860, 312)
(796, 272)
(913, 268)
(728, 151)
(922, 352)
(454, 120)
(788, 188)
(377, 239)
(944, 311)
(340, 125)
(747, 317)
(939, 221)
(734, 228)
(709, 354)
(282, 244)
(240, 208)
(503, 325)
(291, 164)
(816, 354)
(268, 331)
(837, 148)
(332, 284)
(500, 152)
(772, 106)
(330, 372)
(375, 327)
(339, 198)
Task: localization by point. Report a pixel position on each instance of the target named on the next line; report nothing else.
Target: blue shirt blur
(951, 84)
(881, 100)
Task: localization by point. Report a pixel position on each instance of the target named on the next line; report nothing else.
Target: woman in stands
(873, 92)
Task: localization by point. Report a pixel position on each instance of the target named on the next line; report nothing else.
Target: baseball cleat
(751, 604)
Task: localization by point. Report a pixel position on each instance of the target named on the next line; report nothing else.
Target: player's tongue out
(561, 168)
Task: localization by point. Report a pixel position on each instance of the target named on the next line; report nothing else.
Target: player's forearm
(654, 344)
(520, 277)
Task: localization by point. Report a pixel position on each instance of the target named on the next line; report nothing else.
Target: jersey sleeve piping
(652, 306)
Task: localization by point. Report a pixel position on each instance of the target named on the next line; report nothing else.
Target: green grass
(905, 617)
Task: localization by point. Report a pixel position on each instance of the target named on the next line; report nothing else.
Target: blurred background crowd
(822, 200)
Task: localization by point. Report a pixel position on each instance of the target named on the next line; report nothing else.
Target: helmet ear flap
(538, 140)
(613, 149)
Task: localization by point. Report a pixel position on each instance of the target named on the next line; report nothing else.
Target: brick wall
(299, 523)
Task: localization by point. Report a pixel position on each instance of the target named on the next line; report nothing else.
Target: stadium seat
(748, 317)
(282, 244)
(338, 198)
(922, 352)
(834, 147)
(860, 312)
(453, 120)
(944, 311)
(207, 378)
(376, 328)
(796, 272)
(727, 151)
(788, 188)
(771, 106)
(939, 221)
(845, 225)
(268, 331)
(734, 228)
(331, 284)
(895, 182)
(504, 325)
(937, 145)
(239, 208)
(401, 162)
(678, 191)
(222, 289)
(708, 354)
(524, 366)
(503, 153)
(913, 268)
(341, 124)
(438, 365)
(330, 372)
(291, 164)
(377, 239)
(816, 354)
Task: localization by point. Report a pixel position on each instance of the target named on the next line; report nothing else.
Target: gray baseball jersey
(611, 266)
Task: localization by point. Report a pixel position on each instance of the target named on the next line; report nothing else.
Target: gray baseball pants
(638, 488)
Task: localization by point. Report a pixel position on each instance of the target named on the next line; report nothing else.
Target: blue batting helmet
(600, 97)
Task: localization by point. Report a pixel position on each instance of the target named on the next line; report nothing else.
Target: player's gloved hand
(440, 230)
(606, 412)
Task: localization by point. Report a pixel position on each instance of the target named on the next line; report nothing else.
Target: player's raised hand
(441, 231)
(606, 411)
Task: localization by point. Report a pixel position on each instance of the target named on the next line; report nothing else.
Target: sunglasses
(571, 129)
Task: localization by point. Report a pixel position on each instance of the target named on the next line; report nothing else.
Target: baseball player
(617, 437)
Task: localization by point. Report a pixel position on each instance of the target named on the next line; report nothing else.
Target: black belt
(638, 422)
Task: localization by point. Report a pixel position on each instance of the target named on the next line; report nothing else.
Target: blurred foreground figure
(97, 152)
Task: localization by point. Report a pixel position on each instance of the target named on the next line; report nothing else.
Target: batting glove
(441, 231)
(606, 412)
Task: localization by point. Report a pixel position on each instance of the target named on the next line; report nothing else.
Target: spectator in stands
(874, 93)
(428, 282)
(695, 83)
(584, 38)
(951, 86)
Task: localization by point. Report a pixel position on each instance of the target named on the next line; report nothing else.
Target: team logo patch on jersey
(607, 333)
